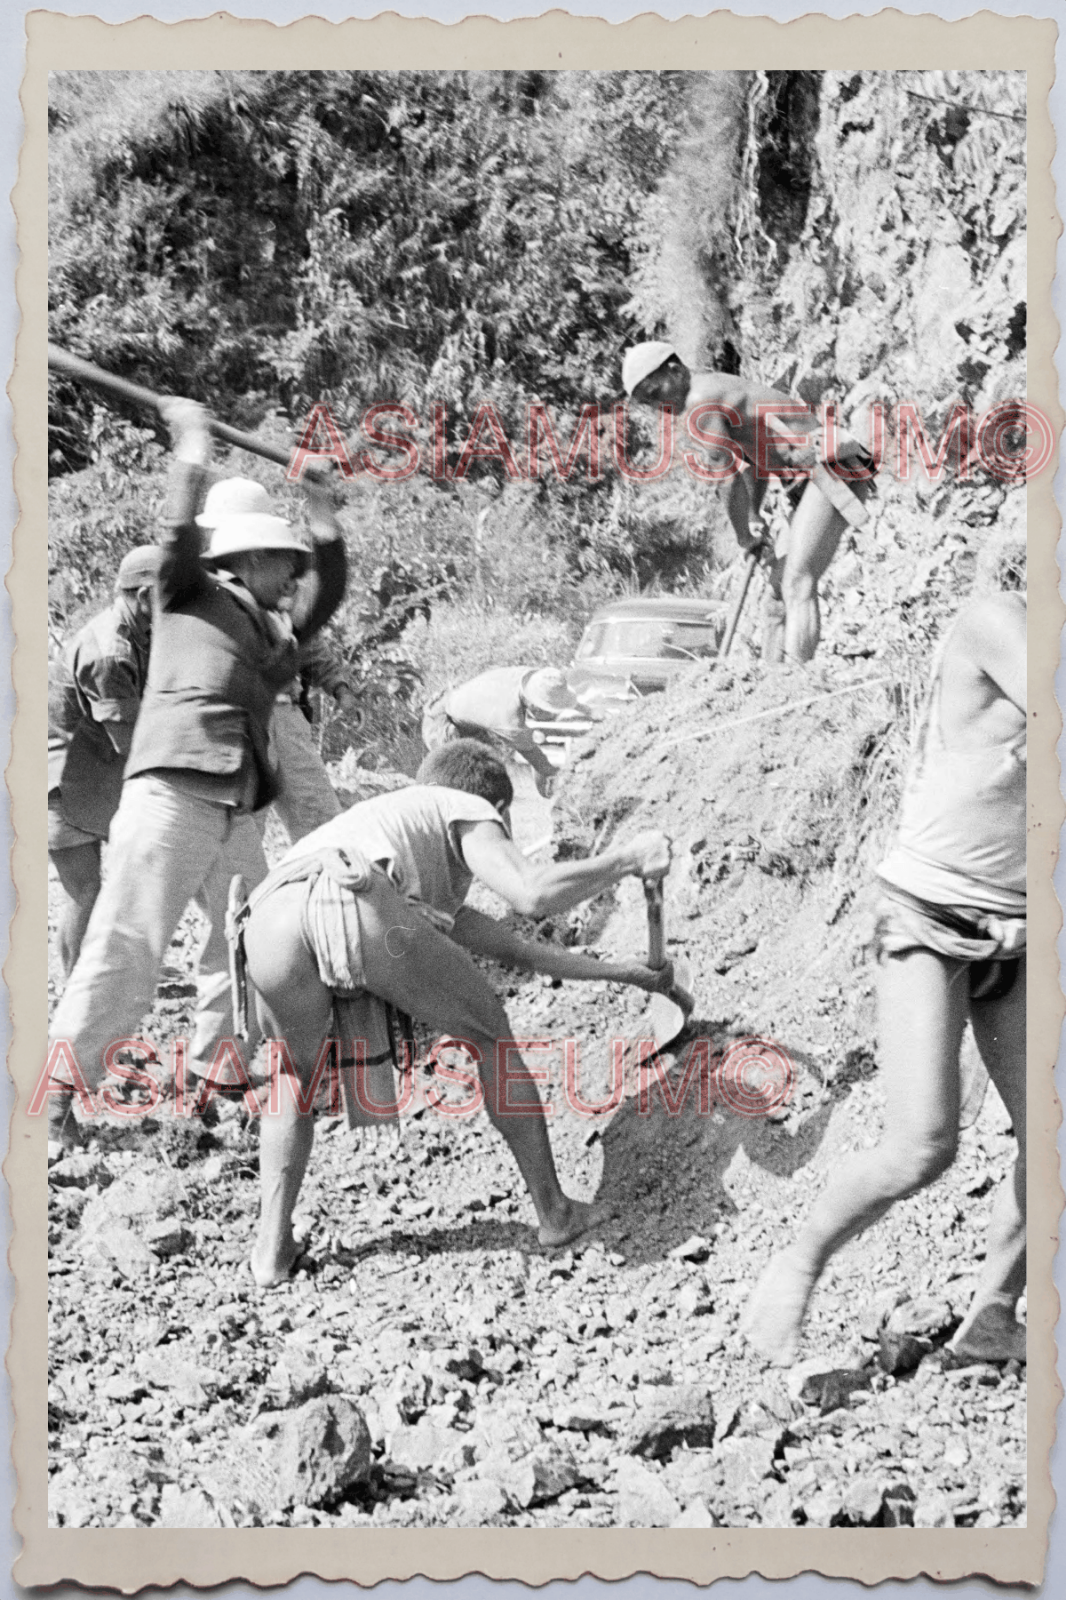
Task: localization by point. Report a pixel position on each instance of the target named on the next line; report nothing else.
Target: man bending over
(373, 904)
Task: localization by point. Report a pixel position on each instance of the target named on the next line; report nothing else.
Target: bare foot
(990, 1332)
(772, 1320)
(270, 1268)
(573, 1218)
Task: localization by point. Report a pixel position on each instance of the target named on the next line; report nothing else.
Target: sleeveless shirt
(961, 832)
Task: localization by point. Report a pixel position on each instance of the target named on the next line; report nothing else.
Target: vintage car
(631, 648)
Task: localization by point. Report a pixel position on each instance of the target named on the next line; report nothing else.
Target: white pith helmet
(243, 532)
(234, 497)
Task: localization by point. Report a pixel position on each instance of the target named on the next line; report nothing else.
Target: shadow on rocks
(665, 1164)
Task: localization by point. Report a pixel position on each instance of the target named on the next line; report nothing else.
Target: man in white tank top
(951, 939)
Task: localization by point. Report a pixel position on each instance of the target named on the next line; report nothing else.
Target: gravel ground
(430, 1365)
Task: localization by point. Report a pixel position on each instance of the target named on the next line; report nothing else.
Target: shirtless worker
(373, 903)
(496, 706)
(653, 374)
(200, 764)
(94, 695)
(951, 948)
(306, 797)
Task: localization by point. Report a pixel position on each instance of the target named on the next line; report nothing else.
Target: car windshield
(661, 639)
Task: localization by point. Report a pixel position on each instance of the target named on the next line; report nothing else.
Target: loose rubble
(430, 1365)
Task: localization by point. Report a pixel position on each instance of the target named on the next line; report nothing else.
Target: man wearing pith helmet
(200, 765)
(653, 374)
(306, 798)
(93, 699)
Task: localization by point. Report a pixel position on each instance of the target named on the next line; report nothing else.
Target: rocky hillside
(429, 1363)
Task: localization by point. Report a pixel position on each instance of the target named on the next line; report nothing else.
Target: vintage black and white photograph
(537, 799)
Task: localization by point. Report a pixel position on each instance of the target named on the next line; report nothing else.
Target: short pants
(991, 945)
(379, 952)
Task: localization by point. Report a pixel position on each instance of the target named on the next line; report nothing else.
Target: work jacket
(94, 695)
(218, 660)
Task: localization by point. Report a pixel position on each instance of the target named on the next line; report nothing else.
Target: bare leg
(435, 980)
(295, 1006)
(410, 963)
(78, 868)
(813, 536)
(991, 1330)
(923, 1000)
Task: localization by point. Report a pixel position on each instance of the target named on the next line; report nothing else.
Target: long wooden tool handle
(750, 559)
(653, 895)
(235, 942)
(60, 360)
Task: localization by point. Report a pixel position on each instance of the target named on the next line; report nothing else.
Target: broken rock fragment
(667, 1417)
(541, 1476)
(480, 1499)
(828, 1390)
(899, 1352)
(695, 1516)
(325, 1448)
(644, 1501)
(168, 1237)
(744, 1463)
(298, 1375)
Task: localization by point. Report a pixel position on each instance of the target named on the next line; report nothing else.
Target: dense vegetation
(267, 240)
